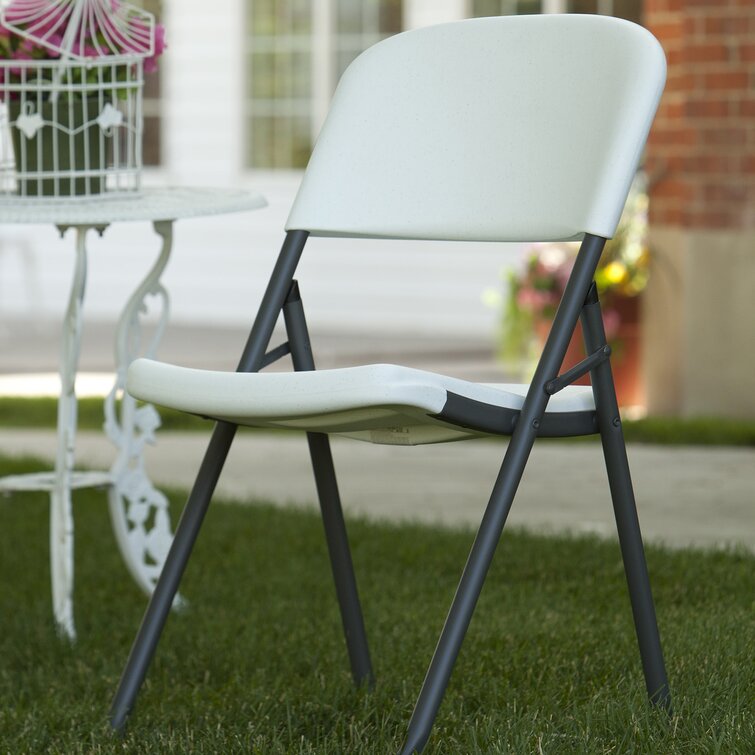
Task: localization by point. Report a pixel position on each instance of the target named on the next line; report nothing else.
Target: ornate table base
(138, 511)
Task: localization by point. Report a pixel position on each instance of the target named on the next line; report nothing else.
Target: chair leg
(468, 591)
(502, 497)
(330, 506)
(340, 559)
(188, 527)
(625, 510)
(165, 591)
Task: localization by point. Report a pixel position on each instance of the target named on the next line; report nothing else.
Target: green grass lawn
(257, 662)
(42, 413)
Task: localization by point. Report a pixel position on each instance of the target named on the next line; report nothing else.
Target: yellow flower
(615, 273)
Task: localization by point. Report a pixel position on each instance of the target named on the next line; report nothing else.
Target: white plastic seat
(379, 403)
(516, 128)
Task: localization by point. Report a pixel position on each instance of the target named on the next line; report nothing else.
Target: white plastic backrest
(518, 128)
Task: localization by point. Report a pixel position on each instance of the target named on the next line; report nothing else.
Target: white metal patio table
(139, 512)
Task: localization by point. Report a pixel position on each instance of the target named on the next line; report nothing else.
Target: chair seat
(378, 403)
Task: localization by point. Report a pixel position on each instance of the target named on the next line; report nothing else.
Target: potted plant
(535, 291)
(71, 81)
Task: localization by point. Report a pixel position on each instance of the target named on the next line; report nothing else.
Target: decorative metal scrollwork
(139, 511)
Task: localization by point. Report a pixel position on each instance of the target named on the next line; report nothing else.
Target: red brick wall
(701, 151)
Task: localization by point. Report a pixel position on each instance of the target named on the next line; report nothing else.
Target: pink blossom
(51, 26)
(52, 21)
(19, 55)
(118, 39)
(150, 63)
(15, 13)
(534, 300)
(160, 43)
(87, 50)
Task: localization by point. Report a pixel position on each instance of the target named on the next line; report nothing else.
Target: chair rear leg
(191, 520)
(330, 506)
(625, 509)
(340, 559)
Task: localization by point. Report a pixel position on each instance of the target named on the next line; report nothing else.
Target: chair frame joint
(586, 365)
(275, 354)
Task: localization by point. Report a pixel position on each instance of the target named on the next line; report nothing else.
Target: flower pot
(623, 336)
(58, 148)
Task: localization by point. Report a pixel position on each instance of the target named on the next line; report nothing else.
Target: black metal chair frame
(580, 300)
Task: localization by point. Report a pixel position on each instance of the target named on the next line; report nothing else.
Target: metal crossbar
(589, 363)
(275, 354)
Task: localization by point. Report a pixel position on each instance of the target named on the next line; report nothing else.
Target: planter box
(626, 346)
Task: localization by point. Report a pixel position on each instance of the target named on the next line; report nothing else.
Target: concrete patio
(685, 495)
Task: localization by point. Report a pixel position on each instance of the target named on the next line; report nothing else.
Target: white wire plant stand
(71, 83)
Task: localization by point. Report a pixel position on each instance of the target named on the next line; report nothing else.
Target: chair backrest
(519, 128)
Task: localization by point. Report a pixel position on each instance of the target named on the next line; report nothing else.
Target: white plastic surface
(381, 403)
(497, 129)
(169, 203)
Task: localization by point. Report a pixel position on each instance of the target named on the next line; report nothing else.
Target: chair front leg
(625, 509)
(191, 520)
(491, 527)
(468, 591)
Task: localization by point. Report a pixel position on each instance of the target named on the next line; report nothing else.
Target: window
(359, 25)
(481, 8)
(631, 10)
(296, 51)
(628, 9)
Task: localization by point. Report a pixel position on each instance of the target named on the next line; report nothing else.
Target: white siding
(204, 90)
(418, 13)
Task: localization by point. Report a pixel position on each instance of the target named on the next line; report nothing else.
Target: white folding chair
(499, 129)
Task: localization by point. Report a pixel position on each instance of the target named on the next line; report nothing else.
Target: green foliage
(257, 663)
(702, 431)
(42, 413)
(695, 431)
(517, 344)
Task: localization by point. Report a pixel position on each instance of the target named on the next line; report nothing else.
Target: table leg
(61, 518)
(139, 511)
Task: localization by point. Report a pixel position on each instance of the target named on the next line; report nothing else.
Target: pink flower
(150, 63)
(97, 37)
(534, 300)
(52, 21)
(22, 53)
